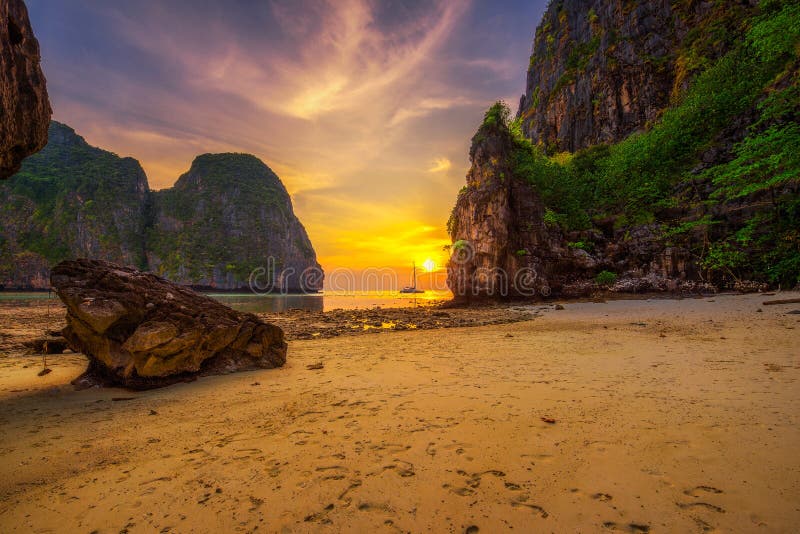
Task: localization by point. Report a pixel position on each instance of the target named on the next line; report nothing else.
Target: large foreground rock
(24, 106)
(140, 331)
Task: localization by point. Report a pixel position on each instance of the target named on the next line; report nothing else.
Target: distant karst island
(228, 215)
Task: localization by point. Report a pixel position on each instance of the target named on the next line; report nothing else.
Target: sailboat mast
(414, 275)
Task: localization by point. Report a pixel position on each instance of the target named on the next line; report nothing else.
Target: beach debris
(780, 301)
(44, 371)
(549, 420)
(315, 366)
(184, 335)
(559, 307)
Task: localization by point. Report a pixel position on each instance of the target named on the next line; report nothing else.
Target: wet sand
(670, 416)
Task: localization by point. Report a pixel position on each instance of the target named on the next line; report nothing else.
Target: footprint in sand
(632, 528)
(473, 481)
(374, 507)
(345, 495)
(697, 491)
(536, 508)
(602, 497)
(707, 506)
(321, 516)
(461, 492)
(331, 472)
(404, 469)
(457, 447)
(431, 449)
(392, 448)
(256, 503)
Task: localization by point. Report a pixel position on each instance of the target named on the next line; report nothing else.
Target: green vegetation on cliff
(719, 172)
(72, 199)
(226, 216)
(222, 219)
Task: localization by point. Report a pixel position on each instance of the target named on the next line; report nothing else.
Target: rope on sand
(46, 370)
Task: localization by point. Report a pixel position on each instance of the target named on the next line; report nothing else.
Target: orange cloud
(364, 109)
(440, 165)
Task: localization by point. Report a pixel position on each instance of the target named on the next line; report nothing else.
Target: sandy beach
(628, 416)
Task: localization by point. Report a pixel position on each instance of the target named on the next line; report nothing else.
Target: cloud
(353, 103)
(440, 165)
(426, 106)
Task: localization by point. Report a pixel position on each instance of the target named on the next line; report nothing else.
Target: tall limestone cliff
(654, 149)
(228, 215)
(24, 106)
(603, 69)
(71, 200)
(492, 254)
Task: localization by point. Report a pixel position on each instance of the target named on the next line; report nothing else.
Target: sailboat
(413, 287)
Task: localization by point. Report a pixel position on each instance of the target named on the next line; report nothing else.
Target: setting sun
(429, 265)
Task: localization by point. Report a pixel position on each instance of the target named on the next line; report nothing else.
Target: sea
(255, 303)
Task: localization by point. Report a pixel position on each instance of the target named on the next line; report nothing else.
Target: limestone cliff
(654, 150)
(602, 69)
(24, 106)
(492, 255)
(71, 200)
(228, 215)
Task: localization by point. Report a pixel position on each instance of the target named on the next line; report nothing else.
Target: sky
(364, 109)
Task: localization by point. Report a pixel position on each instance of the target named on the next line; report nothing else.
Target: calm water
(279, 303)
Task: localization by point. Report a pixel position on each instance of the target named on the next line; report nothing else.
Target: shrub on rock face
(605, 278)
(141, 331)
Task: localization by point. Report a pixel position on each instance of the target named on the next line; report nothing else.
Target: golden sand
(670, 416)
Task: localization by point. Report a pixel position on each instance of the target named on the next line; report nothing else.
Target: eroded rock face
(504, 248)
(24, 106)
(140, 331)
(602, 69)
(501, 246)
